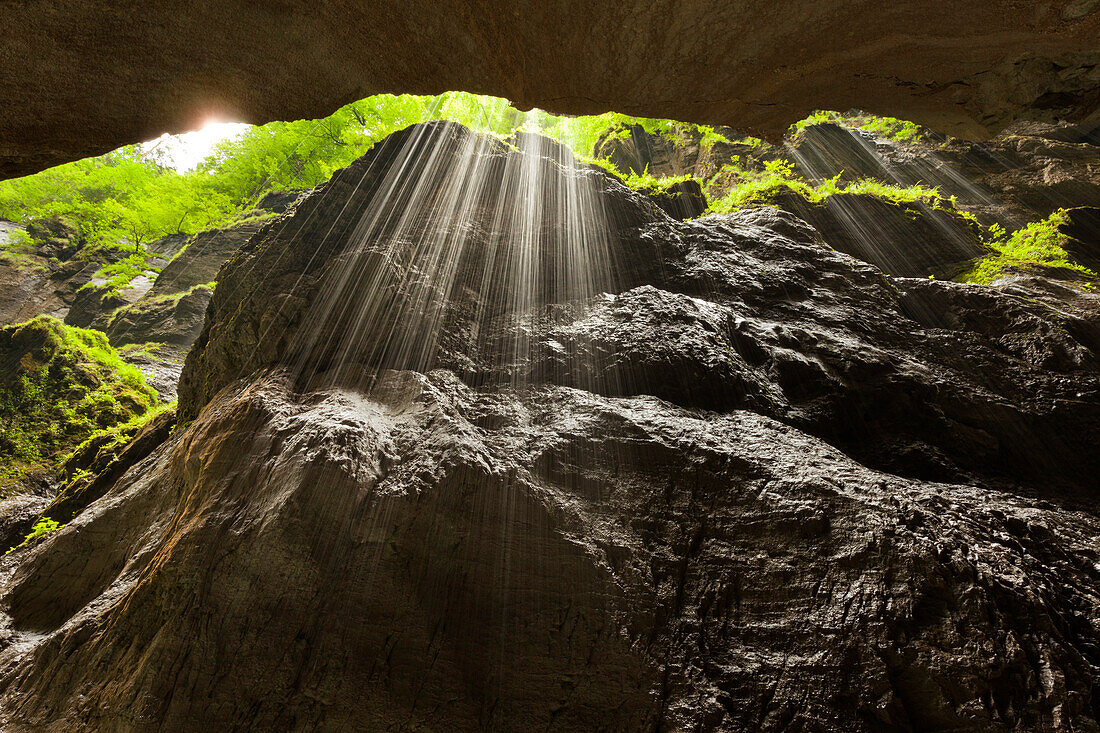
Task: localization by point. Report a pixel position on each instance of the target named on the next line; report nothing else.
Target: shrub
(1039, 244)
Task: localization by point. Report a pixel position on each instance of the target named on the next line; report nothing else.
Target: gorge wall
(477, 437)
(84, 78)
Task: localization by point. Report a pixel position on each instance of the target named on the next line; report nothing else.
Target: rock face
(908, 240)
(1024, 174)
(166, 319)
(172, 310)
(1083, 228)
(677, 153)
(89, 77)
(45, 275)
(199, 261)
(471, 460)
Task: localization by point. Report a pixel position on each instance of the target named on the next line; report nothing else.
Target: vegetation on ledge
(888, 128)
(750, 187)
(59, 385)
(1039, 244)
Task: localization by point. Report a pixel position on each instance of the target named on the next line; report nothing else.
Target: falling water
(464, 237)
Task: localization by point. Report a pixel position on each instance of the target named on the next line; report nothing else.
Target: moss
(818, 117)
(889, 128)
(710, 136)
(149, 350)
(647, 183)
(111, 440)
(59, 385)
(1039, 244)
(256, 216)
(754, 187)
(18, 252)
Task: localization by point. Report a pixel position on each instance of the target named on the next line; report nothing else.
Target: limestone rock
(199, 261)
(165, 319)
(89, 77)
(907, 240)
(730, 480)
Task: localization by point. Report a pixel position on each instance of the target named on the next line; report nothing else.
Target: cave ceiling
(82, 78)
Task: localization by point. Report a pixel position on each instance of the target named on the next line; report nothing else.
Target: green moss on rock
(1038, 245)
(59, 385)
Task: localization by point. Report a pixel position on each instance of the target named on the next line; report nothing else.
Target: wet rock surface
(1023, 174)
(907, 240)
(731, 479)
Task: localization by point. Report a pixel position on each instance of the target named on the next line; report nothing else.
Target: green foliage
(712, 136)
(127, 199)
(762, 187)
(648, 183)
(1039, 244)
(17, 251)
(58, 386)
(891, 128)
(41, 528)
(119, 274)
(778, 177)
(818, 117)
(581, 134)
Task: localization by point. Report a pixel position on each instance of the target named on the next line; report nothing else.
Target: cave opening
(438, 413)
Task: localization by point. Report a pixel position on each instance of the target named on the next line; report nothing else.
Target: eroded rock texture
(731, 479)
(84, 78)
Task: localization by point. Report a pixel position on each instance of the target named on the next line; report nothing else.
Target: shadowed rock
(907, 240)
(572, 506)
(89, 77)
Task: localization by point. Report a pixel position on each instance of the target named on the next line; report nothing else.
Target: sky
(185, 151)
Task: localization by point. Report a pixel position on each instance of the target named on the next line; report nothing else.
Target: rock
(907, 240)
(278, 201)
(199, 261)
(449, 462)
(554, 554)
(77, 84)
(1023, 175)
(679, 152)
(901, 399)
(91, 302)
(682, 200)
(286, 278)
(32, 284)
(166, 319)
(96, 465)
(167, 246)
(55, 237)
(18, 513)
(633, 150)
(1083, 228)
(826, 150)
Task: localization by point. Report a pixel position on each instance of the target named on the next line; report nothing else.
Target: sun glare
(184, 152)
